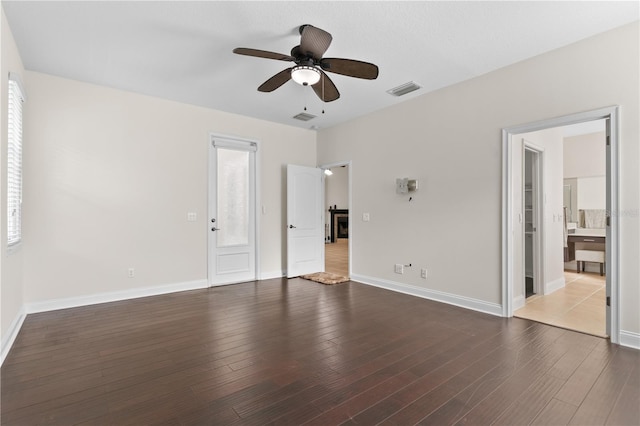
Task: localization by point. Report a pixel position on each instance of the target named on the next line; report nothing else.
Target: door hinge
(608, 220)
(608, 300)
(608, 140)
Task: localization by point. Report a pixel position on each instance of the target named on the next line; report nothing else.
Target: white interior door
(232, 211)
(305, 222)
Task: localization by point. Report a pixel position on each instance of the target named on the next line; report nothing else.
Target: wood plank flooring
(292, 352)
(336, 257)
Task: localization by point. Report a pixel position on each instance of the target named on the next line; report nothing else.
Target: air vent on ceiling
(403, 89)
(303, 116)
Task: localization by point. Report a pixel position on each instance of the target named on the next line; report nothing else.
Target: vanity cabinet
(570, 251)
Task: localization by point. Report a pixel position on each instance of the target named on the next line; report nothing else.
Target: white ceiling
(183, 50)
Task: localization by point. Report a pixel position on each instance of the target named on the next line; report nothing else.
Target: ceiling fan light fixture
(305, 75)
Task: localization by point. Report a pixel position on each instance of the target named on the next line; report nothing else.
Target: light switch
(192, 216)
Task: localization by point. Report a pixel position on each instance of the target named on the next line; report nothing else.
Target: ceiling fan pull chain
(323, 93)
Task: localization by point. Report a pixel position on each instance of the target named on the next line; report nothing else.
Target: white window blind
(14, 164)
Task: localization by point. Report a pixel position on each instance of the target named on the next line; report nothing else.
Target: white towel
(566, 232)
(595, 218)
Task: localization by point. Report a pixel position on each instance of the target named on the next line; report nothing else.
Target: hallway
(336, 257)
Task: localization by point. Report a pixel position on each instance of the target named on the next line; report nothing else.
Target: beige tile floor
(579, 306)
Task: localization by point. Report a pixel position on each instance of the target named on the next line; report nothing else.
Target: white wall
(11, 264)
(110, 177)
(337, 188)
(585, 155)
(585, 161)
(592, 193)
(450, 140)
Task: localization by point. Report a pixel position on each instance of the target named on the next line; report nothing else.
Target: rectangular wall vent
(403, 89)
(303, 116)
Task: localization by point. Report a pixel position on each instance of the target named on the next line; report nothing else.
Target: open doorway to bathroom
(574, 254)
(337, 218)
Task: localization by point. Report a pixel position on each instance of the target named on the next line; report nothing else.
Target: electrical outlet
(399, 268)
(423, 273)
(131, 272)
(366, 217)
(192, 216)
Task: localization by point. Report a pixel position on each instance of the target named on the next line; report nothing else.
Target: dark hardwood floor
(297, 352)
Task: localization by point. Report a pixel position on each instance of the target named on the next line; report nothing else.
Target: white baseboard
(630, 339)
(554, 285)
(12, 333)
(438, 296)
(93, 299)
(518, 302)
(271, 275)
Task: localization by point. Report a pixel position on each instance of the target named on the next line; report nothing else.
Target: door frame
(257, 203)
(539, 240)
(349, 164)
(612, 113)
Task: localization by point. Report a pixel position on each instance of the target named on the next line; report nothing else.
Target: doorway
(610, 116)
(232, 222)
(338, 218)
(579, 301)
(532, 190)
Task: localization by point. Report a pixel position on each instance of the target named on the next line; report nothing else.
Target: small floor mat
(326, 278)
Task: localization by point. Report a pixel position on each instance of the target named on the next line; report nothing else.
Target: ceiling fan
(310, 65)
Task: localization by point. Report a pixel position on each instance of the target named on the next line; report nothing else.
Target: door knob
(215, 229)
(291, 226)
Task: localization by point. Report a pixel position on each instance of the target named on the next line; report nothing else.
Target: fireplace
(339, 224)
(343, 227)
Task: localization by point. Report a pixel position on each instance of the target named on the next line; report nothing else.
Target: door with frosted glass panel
(232, 215)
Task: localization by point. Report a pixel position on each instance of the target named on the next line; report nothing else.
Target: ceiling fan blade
(263, 54)
(325, 89)
(276, 81)
(314, 41)
(350, 67)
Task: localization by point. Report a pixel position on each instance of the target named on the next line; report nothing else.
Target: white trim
(12, 333)
(630, 339)
(239, 144)
(113, 296)
(519, 302)
(258, 208)
(554, 285)
(272, 274)
(613, 261)
(507, 227)
(438, 296)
